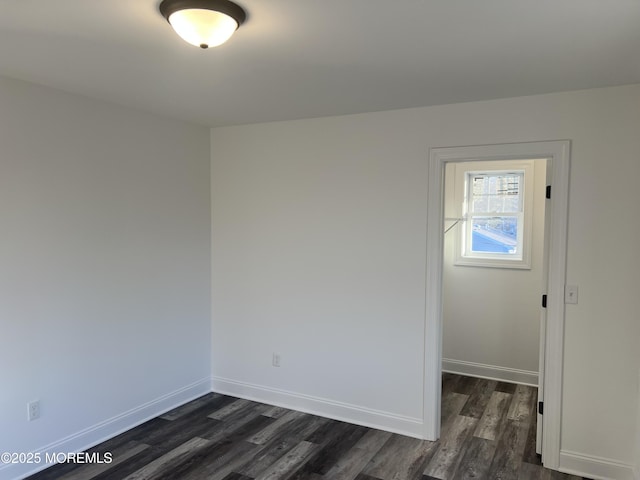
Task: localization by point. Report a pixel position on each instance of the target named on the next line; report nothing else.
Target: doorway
(557, 155)
(494, 239)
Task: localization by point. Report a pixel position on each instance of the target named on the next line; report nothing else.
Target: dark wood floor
(488, 432)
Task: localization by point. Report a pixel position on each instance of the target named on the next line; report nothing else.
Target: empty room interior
(358, 240)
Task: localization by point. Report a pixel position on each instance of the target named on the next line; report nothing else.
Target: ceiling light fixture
(203, 23)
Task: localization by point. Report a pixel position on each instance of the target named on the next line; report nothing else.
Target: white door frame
(558, 152)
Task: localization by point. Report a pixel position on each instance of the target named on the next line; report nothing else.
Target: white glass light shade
(203, 28)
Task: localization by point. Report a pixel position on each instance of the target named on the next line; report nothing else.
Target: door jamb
(559, 154)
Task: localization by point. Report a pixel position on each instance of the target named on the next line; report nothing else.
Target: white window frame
(463, 257)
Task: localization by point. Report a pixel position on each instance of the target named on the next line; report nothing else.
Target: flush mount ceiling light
(203, 23)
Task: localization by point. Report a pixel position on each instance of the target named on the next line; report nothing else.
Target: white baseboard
(491, 372)
(597, 468)
(98, 433)
(323, 407)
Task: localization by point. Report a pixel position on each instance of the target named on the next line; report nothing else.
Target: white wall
(314, 242)
(319, 254)
(637, 466)
(104, 267)
(491, 316)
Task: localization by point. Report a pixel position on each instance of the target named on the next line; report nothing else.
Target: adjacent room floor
(488, 432)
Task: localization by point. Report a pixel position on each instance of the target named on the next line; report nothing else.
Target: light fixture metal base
(168, 7)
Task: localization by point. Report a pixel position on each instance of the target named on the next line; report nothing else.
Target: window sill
(492, 263)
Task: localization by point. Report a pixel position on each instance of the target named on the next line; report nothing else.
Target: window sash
(516, 244)
(492, 247)
(473, 200)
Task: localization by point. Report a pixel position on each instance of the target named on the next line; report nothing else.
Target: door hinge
(548, 194)
(544, 301)
(541, 408)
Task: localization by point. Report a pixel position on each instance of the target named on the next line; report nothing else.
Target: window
(495, 199)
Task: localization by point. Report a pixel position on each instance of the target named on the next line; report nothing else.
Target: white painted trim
(490, 372)
(323, 407)
(100, 432)
(558, 152)
(556, 280)
(597, 468)
(433, 299)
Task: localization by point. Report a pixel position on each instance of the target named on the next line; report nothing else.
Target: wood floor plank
(214, 462)
(239, 423)
(508, 457)
(479, 398)
(552, 475)
(401, 458)
(363, 476)
(230, 409)
(133, 464)
(452, 404)
(446, 459)
(276, 412)
(290, 462)
(53, 472)
(229, 452)
(492, 419)
(90, 470)
(529, 454)
(137, 434)
(449, 382)
(278, 425)
(506, 387)
(353, 462)
(71, 471)
(537, 472)
(236, 476)
(180, 432)
(334, 439)
(253, 454)
(466, 385)
(267, 456)
(159, 466)
(168, 436)
(476, 459)
(308, 476)
(520, 407)
(171, 433)
(191, 406)
(529, 471)
(240, 430)
(283, 441)
(303, 427)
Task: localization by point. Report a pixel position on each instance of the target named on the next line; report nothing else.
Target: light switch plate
(571, 294)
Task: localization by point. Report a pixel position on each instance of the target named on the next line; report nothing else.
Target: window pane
(498, 193)
(494, 235)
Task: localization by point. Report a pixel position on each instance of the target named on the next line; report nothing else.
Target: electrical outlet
(275, 361)
(33, 410)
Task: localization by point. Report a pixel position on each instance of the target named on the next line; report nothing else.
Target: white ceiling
(307, 58)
